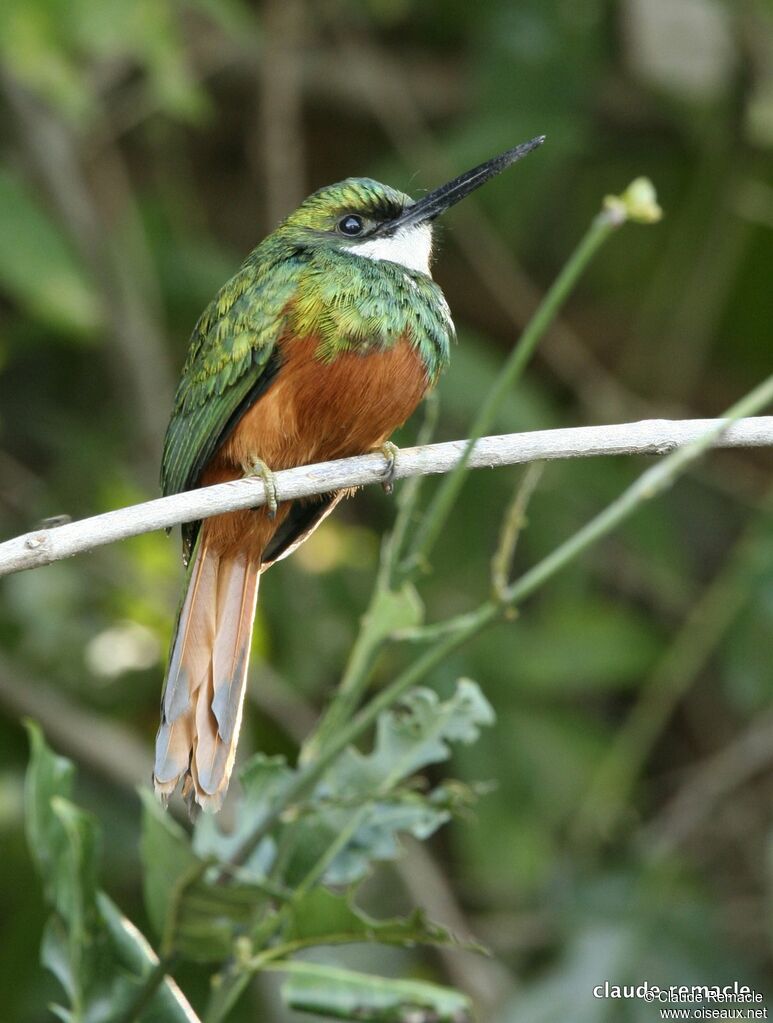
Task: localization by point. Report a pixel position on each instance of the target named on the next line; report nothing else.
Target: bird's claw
(389, 451)
(257, 467)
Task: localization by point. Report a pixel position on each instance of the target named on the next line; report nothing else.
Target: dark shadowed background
(145, 147)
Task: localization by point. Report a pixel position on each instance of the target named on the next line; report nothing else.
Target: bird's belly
(313, 411)
(322, 410)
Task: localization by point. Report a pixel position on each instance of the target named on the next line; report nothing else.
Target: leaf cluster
(296, 891)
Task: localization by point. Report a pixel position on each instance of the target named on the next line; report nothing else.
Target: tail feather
(237, 599)
(204, 693)
(196, 624)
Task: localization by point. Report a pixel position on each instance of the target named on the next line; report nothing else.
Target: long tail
(201, 706)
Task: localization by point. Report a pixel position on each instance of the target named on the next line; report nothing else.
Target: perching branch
(649, 437)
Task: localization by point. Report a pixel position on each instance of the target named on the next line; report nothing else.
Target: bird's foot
(257, 467)
(389, 451)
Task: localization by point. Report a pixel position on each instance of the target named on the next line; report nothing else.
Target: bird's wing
(231, 361)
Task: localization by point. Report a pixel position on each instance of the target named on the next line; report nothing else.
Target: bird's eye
(351, 225)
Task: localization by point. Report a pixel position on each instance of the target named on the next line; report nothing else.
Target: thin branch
(513, 523)
(649, 437)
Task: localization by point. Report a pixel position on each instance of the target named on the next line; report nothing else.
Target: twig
(649, 437)
(512, 524)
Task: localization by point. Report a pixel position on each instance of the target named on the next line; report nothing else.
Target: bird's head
(375, 221)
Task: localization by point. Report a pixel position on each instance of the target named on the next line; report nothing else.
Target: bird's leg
(257, 467)
(389, 451)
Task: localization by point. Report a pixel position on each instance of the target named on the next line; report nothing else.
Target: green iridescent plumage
(333, 330)
(302, 280)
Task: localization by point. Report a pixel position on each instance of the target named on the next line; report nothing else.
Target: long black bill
(443, 198)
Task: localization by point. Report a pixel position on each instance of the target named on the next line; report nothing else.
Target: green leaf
(99, 957)
(344, 994)
(394, 610)
(169, 863)
(48, 776)
(263, 780)
(76, 886)
(322, 917)
(135, 955)
(414, 734)
(193, 913)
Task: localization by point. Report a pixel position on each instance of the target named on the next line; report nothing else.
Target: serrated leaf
(413, 735)
(344, 994)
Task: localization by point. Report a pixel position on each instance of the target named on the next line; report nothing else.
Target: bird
(319, 347)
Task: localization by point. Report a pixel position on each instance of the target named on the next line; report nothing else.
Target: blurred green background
(625, 830)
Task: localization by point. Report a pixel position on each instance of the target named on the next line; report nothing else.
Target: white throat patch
(410, 248)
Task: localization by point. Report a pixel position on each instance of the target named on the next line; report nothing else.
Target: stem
(356, 676)
(371, 638)
(445, 496)
(150, 985)
(512, 524)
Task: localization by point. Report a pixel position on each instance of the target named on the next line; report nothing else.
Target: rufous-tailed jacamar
(322, 344)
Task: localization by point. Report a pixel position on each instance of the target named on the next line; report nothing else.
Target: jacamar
(321, 345)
